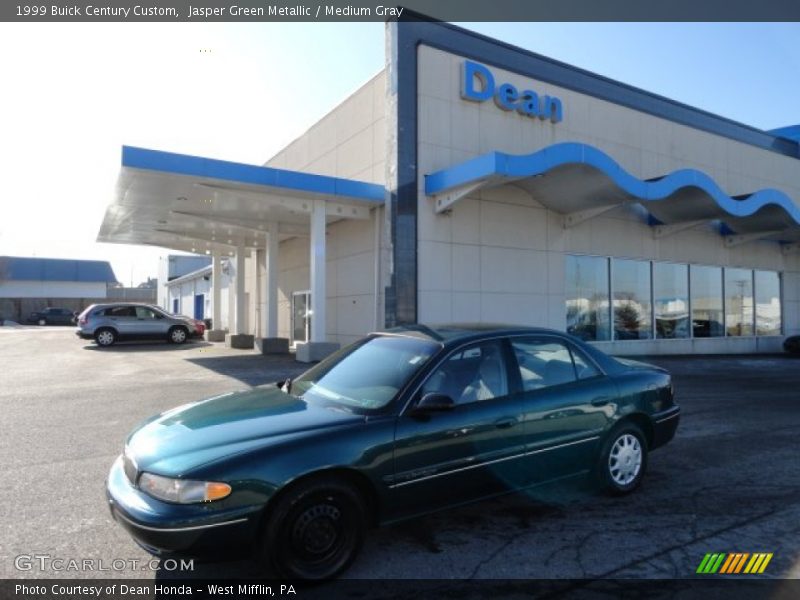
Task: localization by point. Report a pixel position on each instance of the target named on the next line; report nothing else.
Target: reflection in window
(587, 297)
(738, 302)
(477, 373)
(706, 285)
(543, 363)
(768, 303)
(671, 300)
(632, 310)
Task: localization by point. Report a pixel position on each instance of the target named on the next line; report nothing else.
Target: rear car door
(122, 318)
(568, 403)
(470, 451)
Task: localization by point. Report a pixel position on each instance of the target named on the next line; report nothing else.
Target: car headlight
(182, 491)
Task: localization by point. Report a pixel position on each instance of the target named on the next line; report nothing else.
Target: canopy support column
(240, 339)
(317, 348)
(216, 333)
(271, 343)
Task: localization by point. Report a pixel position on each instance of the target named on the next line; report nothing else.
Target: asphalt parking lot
(729, 482)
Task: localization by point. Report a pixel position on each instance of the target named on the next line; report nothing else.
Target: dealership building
(472, 181)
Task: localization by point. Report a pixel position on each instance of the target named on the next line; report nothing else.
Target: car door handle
(505, 423)
(601, 401)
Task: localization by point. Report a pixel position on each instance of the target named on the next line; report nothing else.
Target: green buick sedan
(397, 425)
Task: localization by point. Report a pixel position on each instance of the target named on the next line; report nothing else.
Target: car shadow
(147, 346)
(252, 369)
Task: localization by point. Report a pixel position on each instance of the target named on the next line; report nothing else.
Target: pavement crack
(491, 557)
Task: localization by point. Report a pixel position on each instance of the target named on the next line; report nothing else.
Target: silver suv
(108, 323)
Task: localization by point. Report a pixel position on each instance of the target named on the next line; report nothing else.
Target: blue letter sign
(477, 85)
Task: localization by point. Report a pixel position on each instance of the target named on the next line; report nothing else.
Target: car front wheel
(105, 337)
(315, 530)
(178, 335)
(623, 460)
(42, 322)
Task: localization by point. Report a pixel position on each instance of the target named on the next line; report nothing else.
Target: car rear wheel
(178, 335)
(315, 530)
(623, 461)
(105, 337)
(42, 322)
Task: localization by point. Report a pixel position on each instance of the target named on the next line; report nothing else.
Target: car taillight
(83, 321)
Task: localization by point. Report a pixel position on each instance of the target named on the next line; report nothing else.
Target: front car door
(150, 324)
(568, 403)
(470, 451)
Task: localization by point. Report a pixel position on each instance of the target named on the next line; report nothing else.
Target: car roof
(457, 332)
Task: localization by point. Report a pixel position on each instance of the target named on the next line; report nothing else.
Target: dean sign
(478, 85)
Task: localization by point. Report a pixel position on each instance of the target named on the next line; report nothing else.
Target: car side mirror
(434, 402)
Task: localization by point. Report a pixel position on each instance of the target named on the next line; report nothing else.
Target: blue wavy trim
(508, 166)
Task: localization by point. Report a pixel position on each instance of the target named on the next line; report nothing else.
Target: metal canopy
(581, 181)
(203, 205)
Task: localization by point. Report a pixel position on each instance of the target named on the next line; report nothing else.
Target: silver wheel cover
(625, 459)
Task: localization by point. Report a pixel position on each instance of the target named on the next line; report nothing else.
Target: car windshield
(367, 375)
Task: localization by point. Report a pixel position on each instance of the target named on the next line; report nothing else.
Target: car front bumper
(163, 528)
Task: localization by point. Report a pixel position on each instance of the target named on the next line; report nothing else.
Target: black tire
(42, 322)
(619, 474)
(105, 336)
(178, 335)
(315, 530)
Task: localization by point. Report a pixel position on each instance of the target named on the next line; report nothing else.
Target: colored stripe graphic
(734, 562)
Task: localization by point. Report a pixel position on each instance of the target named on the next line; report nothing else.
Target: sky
(73, 94)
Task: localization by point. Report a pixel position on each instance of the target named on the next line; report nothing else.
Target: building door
(301, 316)
(199, 305)
(175, 306)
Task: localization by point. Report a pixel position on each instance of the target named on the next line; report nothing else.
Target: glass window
(476, 373)
(587, 297)
(143, 312)
(671, 300)
(366, 375)
(632, 309)
(543, 363)
(738, 302)
(584, 368)
(120, 311)
(768, 303)
(706, 285)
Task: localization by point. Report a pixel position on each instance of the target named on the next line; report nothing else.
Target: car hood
(192, 435)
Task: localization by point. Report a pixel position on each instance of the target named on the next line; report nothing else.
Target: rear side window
(120, 311)
(546, 363)
(583, 366)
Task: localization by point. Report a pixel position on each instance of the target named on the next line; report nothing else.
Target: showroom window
(587, 297)
(733, 302)
(632, 308)
(738, 302)
(707, 315)
(671, 300)
(768, 303)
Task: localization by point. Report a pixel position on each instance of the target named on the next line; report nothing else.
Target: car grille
(130, 468)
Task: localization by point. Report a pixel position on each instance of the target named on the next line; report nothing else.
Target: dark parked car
(792, 344)
(396, 425)
(108, 323)
(52, 316)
